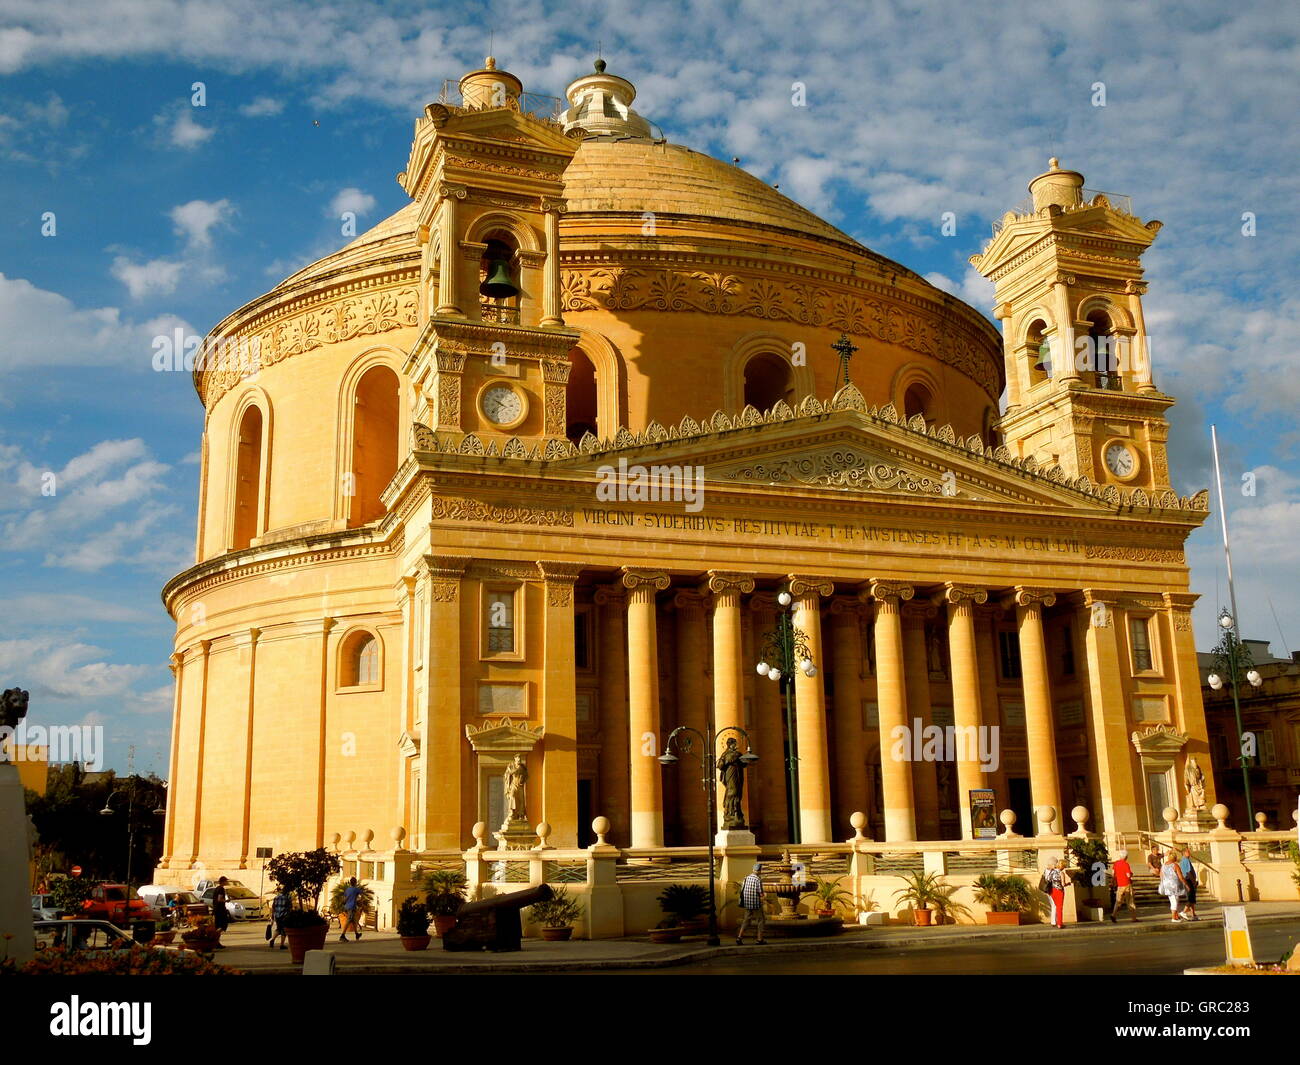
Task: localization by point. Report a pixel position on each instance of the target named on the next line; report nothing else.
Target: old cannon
(493, 924)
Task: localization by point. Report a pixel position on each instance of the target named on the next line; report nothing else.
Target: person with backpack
(351, 899)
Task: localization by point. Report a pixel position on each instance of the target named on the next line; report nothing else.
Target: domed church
(599, 437)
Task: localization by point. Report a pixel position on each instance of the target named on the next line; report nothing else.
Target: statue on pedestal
(1194, 778)
(514, 784)
(731, 774)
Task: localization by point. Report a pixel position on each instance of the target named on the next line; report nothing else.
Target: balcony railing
(536, 104)
(498, 312)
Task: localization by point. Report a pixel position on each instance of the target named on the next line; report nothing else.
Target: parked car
(43, 908)
(241, 904)
(173, 902)
(80, 934)
(113, 902)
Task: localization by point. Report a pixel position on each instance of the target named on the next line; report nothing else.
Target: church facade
(541, 466)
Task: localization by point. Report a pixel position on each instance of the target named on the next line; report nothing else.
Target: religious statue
(731, 774)
(1194, 778)
(934, 654)
(514, 781)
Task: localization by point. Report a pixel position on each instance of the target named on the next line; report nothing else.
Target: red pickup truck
(113, 902)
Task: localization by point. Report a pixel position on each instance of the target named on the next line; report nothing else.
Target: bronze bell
(498, 284)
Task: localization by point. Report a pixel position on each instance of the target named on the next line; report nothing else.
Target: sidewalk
(382, 953)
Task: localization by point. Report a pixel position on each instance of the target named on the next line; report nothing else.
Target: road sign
(76, 870)
(263, 852)
(1236, 935)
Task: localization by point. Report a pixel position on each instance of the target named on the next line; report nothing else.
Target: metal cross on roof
(845, 348)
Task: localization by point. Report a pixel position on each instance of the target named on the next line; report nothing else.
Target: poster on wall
(983, 814)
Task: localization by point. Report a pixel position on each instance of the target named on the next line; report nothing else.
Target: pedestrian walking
(351, 897)
(1173, 886)
(1188, 868)
(1055, 879)
(751, 901)
(1123, 877)
(280, 908)
(220, 915)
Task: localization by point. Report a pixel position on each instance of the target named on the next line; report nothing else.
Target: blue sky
(170, 215)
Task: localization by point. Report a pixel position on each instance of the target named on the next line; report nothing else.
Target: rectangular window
(1009, 650)
(1266, 752)
(500, 622)
(1067, 651)
(1140, 636)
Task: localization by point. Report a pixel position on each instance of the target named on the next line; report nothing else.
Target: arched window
(1039, 352)
(1103, 352)
(989, 433)
(375, 419)
(248, 480)
(359, 660)
(917, 400)
(498, 273)
(580, 397)
(768, 378)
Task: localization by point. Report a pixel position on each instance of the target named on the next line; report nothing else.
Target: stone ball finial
(600, 826)
(543, 831)
(479, 832)
(1220, 813)
(397, 833)
(1261, 819)
(1008, 818)
(1053, 163)
(1295, 816)
(600, 66)
(490, 63)
(1047, 817)
(368, 836)
(1169, 814)
(859, 822)
(336, 839)
(1080, 815)
(352, 838)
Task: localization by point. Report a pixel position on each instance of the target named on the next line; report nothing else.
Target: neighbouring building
(524, 469)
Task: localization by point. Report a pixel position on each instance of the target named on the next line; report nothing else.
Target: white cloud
(184, 132)
(195, 220)
(156, 277)
(972, 289)
(51, 668)
(262, 107)
(44, 329)
(350, 199)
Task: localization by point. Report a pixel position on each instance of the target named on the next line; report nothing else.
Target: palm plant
(559, 911)
(920, 890)
(444, 891)
(1003, 894)
(687, 902)
(827, 892)
(365, 899)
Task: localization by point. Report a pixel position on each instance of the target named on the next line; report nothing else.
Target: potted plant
(304, 874)
(1090, 859)
(164, 933)
(557, 914)
(1007, 897)
(669, 930)
(365, 900)
(203, 936)
(865, 907)
(445, 895)
(413, 924)
(825, 893)
(920, 891)
(689, 903)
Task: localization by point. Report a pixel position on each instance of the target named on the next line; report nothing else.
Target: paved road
(1037, 954)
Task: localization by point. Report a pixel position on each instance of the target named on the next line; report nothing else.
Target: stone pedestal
(1196, 820)
(734, 837)
(15, 896)
(517, 835)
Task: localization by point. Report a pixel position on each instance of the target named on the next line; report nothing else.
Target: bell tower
(1067, 271)
(486, 175)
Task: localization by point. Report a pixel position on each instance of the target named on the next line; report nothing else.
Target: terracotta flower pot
(1002, 918)
(557, 935)
(302, 940)
(416, 942)
(825, 913)
(666, 935)
(693, 926)
(922, 916)
(201, 944)
(444, 924)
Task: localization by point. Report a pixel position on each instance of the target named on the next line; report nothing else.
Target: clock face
(502, 405)
(1120, 460)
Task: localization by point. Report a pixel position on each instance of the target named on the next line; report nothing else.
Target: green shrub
(412, 918)
(559, 911)
(685, 901)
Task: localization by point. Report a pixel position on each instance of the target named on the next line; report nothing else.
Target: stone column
(205, 647)
(644, 741)
(1040, 730)
(327, 625)
(551, 312)
(1064, 365)
(891, 699)
(443, 753)
(850, 741)
(769, 727)
(810, 711)
(916, 664)
(692, 709)
(614, 800)
(253, 635)
(1108, 712)
(449, 266)
(559, 711)
(1140, 349)
(967, 716)
(176, 663)
(728, 685)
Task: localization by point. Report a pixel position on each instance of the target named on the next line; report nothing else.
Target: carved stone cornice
(560, 572)
(802, 585)
(444, 575)
(1159, 739)
(957, 594)
(504, 736)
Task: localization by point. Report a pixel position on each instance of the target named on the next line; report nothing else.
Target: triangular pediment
(503, 125)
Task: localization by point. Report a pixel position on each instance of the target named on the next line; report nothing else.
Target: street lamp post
(107, 811)
(1232, 644)
(682, 738)
(785, 649)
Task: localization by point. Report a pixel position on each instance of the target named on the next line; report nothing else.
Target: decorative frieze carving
(454, 508)
(841, 468)
(1118, 553)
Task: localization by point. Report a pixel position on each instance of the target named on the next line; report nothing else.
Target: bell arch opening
(375, 416)
(581, 397)
(768, 378)
(248, 503)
